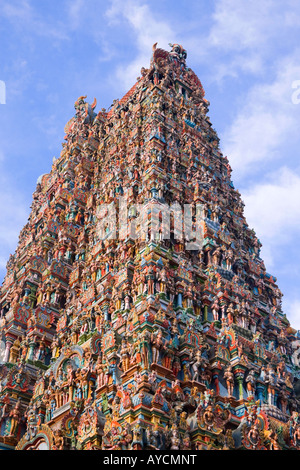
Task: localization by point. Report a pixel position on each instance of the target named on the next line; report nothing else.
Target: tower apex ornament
(178, 53)
(167, 67)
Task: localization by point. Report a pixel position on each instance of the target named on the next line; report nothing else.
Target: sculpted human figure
(85, 382)
(152, 379)
(58, 440)
(143, 341)
(5, 408)
(107, 374)
(208, 417)
(24, 347)
(228, 375)
(100, 373)
(175, 439)
(253, 435)
(250, 383)
(157, 345)
(16, 295)
(41, 351)
(283, 397)
(197, 362)
(215, 309)
(15, 418)
(230, 313)
(274, 444)
(125, 355)
(216, 256)
(229, 256)
(77, 385)
(162, 278)
(150, 278)
(31, 415)
(168, 355)
(296, 436)
(186, 441)
(15, 351)
(55, 347)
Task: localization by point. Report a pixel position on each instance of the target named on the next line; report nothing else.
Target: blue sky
(246, 54)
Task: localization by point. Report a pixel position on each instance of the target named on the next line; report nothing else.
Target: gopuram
(136, 311)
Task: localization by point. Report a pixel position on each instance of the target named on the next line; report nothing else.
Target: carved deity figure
(215, 309)
(228, 375)
(15, 418)
(250, 383)
(157, 345)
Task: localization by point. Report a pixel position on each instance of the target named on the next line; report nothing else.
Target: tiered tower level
(131, 340)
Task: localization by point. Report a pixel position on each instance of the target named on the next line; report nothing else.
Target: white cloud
(244, 25)
(267, 119)
(241, 38)
(292, 310)
(147, 30)
(20, 10)
(272, 208)
(74, 12)
(23, 15)
(13, 216)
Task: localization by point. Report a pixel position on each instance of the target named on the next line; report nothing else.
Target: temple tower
(136, 312)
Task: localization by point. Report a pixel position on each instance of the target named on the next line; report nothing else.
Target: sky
(246, 54)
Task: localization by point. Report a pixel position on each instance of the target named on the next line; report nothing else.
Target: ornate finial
(80, 101)
(178, 53)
